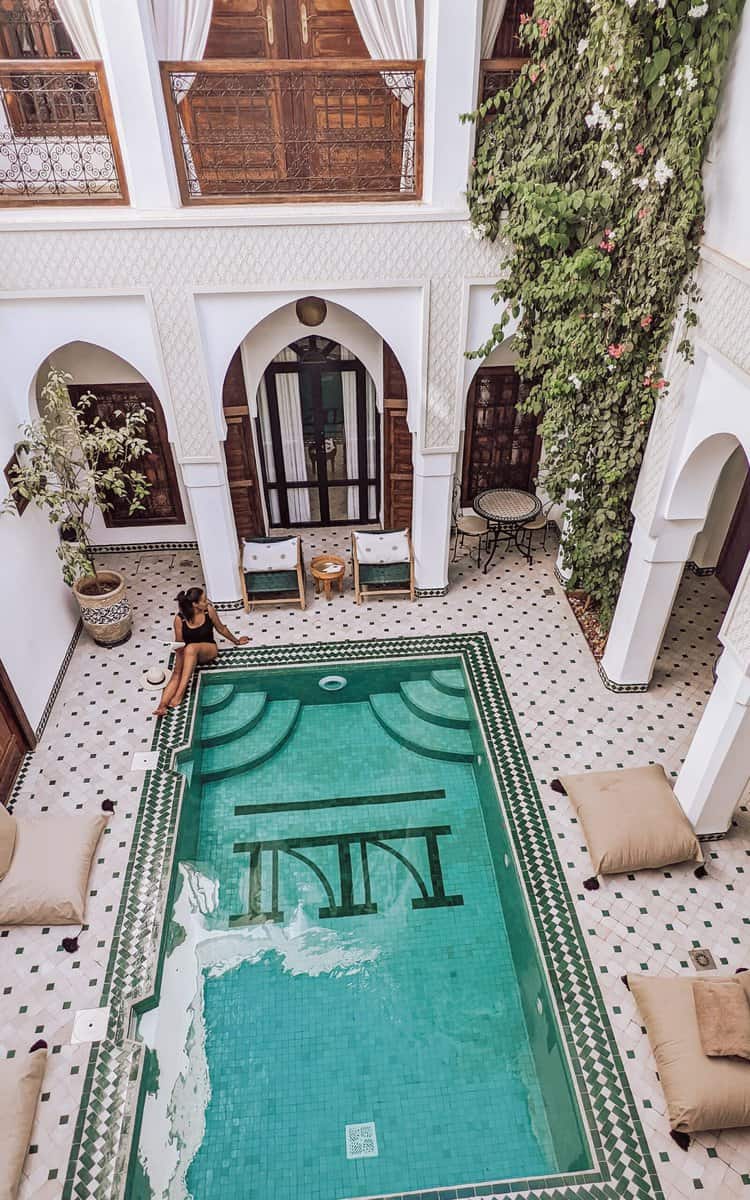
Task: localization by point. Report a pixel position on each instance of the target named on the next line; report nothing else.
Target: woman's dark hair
(186, 602)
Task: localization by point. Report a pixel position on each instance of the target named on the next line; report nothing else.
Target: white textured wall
(708, 544)
(727, 170)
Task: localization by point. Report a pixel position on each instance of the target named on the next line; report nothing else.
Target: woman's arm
(178, 628)
(222, 629)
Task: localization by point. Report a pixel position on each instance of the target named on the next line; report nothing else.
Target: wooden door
(736, 546)
(163, 504)
(246, 29)
(353, 127)
(244, 484)
(398, 466)
(501, 447)
(16, 736)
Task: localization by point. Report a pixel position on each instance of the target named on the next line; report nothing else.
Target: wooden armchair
(272, 571)
(382, 563)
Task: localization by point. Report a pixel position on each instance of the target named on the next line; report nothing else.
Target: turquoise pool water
(350, 1000)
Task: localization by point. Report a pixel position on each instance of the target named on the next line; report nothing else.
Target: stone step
(450, 680)
(215, 696)
(429, 703)
(268, 736)
(423, 737)
(234, 720)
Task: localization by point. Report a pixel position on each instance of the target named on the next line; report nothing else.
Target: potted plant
(68, 464)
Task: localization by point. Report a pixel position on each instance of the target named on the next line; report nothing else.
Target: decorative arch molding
(228, 319)
(692, 492)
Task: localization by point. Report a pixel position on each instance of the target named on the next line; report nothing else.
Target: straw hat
(155, 677)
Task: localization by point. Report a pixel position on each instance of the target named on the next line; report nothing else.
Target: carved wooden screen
(399, 468)
(163, 504)
(501, 447)
(242, 470)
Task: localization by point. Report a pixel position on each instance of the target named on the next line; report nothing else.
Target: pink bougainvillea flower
(646, 321)
(615, 349)
(661, 383)
(525, 18)
(640, 149)
(544, 26)
(533, 74)
(642, 213)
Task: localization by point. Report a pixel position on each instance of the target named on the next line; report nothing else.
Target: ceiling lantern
(311, 311)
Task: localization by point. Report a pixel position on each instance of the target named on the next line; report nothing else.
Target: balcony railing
(258, 130)
(497, 75)
(58, 142)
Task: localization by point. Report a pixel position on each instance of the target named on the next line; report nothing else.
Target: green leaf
(656, 67)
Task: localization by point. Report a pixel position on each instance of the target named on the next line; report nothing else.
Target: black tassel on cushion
(681, 1139)
(70, 945)
(700, 872)
(624, 979)
(740, 970)
(40, 1045)
(592, 884)
(108, 806)
(557, 786)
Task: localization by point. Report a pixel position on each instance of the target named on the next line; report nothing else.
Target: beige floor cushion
(701, 1092)
(7, 839)
(631, 820)
(47, 881)
(20, 1084)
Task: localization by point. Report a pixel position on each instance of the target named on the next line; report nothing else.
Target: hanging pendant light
(311, 311)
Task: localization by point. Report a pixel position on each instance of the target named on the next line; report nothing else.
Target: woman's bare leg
(200, 652)
(172, 686)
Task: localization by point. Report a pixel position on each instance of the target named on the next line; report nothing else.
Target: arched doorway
(501, 445)
(319, 436)
(117, 387)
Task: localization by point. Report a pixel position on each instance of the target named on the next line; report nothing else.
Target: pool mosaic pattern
(568, 722)
(407, 1010)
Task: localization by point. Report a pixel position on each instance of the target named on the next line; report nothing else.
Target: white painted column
(431, 519)
(208, 492)
(452, 31)
(717, 767)
(126, 38)
(652, 576)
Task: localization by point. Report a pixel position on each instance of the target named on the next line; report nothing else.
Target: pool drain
(332, 683)
(361, 1140)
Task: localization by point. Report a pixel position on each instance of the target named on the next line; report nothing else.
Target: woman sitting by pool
(194, 626)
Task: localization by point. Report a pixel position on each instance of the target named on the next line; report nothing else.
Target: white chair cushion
(380, 548)
(270, 556)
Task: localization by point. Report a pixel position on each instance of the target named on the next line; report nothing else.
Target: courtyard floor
(102, 716)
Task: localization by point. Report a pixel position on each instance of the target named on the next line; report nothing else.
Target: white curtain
(372, 491)
(491, 22)
(349, 392)
(274, 514)
(77, 18)
(292, 436)
(181, 28)
(389, 30)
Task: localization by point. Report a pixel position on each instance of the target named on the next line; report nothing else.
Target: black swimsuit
(204, 632)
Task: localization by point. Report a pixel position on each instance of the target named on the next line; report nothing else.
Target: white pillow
(381, 548)
(270, 556)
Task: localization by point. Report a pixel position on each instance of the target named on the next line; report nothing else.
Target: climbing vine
(590, 168)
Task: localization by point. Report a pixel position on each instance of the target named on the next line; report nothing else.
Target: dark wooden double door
(281, 130)
(163, 504)
(16, 736)
(501, 446)
(736, 546)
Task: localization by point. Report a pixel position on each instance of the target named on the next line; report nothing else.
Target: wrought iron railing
(256, 130)
(33, 29)
(497, 75)
(58, 141)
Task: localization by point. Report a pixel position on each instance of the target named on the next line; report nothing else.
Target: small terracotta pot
(108, 617)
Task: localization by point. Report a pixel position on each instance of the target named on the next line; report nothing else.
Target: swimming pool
(340, 967)
(350, 1000)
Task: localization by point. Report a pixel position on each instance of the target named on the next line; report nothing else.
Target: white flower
(689, 78)
(618, 124)
(631, 3)
(698, 10)
(662, 80)
(583, 46)
(575, 380)
(611, 168)
(641, 182)
(597, 116)
(662, 172)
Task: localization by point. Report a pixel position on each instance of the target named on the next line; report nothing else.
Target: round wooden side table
(328, 569)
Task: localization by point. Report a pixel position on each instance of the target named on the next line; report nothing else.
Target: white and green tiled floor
(567, 721)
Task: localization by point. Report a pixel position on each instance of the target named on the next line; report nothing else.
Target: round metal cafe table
(506, 511)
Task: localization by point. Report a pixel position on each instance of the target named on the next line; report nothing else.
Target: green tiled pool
(350, 999)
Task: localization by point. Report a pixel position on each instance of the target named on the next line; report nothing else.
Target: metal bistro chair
(467, 526)
(539, 524)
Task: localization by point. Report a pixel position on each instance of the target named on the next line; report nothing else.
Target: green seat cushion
(262, 582)
(384, 573)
